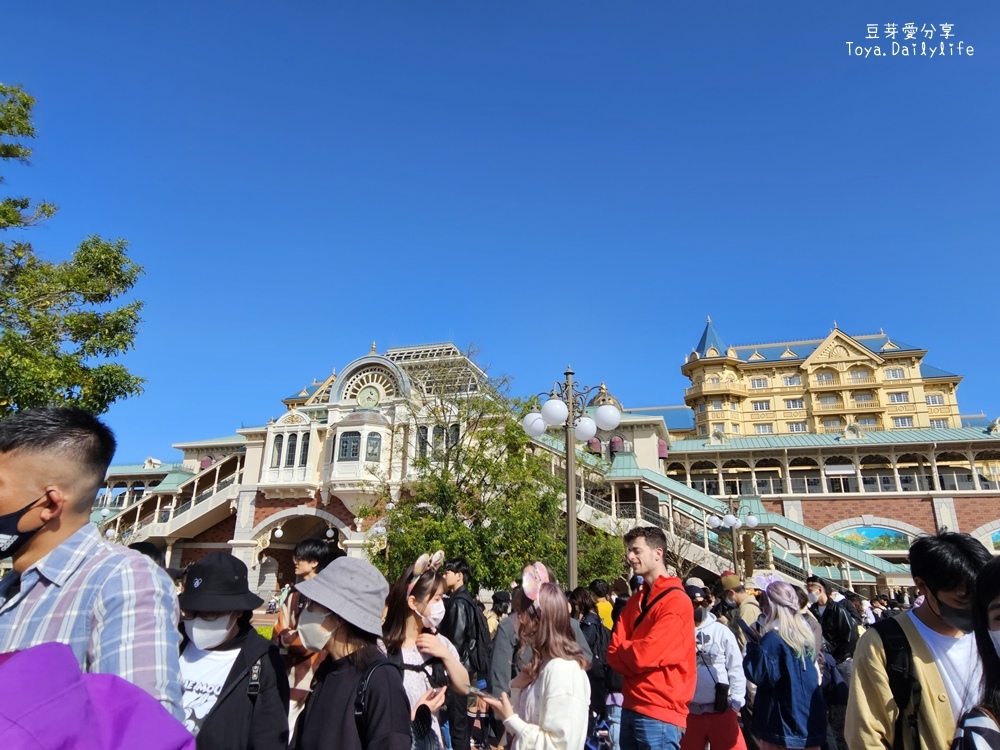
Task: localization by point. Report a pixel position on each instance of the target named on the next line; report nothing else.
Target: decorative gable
(838, 350)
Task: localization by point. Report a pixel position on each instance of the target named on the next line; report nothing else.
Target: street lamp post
(566, 406)
(734, 521)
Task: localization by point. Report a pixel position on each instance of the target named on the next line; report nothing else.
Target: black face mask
(960, 619)
(11, 540)
(699, 614)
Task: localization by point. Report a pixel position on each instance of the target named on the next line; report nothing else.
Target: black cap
(217, 583)
(695, 592)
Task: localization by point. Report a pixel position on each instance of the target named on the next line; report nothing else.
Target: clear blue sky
(558, 182)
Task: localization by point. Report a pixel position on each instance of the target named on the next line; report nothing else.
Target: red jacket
(657, 659)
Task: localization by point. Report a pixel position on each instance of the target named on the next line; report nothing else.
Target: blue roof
(929, 371)
(304, 393)
(710, 338)
(877, 343)
(880, 437)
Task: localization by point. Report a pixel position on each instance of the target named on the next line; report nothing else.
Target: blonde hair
(780, 604)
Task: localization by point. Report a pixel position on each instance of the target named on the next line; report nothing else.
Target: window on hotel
(350, 446)
(934, 399)
(790, 380)
(796, 426)
(824, 377)
(895, 373)
(736, 429)
(716, 406)
(373, 447)
(763, 429)
(794, 403)
(868, 422)
(901, 397)
(902, 421)
(762, 406)
(758, 382)
(939, 424)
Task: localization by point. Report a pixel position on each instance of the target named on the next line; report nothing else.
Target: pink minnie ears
(762, 581)
(424, 563)
(532, 579)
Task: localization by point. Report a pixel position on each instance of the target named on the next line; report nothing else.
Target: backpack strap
(902, 682)
(253, 687)
(649, 606)
(361, 695)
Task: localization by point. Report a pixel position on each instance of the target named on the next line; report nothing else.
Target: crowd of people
(422, 664)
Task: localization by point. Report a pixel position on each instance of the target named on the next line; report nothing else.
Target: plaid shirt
(115, 608)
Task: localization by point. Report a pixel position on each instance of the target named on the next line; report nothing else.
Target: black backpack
(481, 643)
(902, 680)
(422, 736)
(598, 638)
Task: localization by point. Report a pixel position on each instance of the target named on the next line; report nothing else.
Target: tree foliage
(58, 326)
(485, 493)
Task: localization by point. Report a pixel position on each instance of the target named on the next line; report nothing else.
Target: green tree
(58, 326)
(484, 491)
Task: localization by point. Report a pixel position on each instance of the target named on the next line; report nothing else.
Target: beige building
(867, 383)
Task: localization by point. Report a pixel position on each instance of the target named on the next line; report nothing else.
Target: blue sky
(557, 182)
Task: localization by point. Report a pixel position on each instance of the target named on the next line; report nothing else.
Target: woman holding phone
(552, 692)
(430, 663)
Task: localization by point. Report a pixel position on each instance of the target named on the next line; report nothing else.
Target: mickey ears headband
(424, 563)
(532, 579)
(764, 580)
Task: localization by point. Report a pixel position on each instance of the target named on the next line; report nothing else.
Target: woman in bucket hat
(235, 689)
(344, 618)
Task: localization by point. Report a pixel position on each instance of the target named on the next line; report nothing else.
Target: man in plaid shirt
(114, 607)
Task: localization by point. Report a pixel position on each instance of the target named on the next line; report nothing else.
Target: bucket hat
(351, 588)
(217, 583)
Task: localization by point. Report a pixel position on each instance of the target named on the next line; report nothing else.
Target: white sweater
(553, 710)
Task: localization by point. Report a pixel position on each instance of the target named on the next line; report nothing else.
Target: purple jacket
(47, 703)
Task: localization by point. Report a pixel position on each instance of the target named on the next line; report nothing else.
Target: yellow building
(829, 385)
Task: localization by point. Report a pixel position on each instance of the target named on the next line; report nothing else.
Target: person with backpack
(979, 728)
(358, 701)
(465, 626)
(414, 611)
(235, 692)
(583, 608)
(550, 697)
(917, 673)
(714, 711)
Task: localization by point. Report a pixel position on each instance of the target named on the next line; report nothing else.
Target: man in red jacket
(653, 648)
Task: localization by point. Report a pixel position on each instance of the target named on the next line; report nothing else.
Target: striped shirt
(115, 608)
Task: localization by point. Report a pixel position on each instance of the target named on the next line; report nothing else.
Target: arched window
(453, 436)
(290, 451)
(304, 450)
(350, 446)
(276, 451)
(373, 447)
(422, 442)
(438, 438)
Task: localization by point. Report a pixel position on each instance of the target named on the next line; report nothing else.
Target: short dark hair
(581, 602)
(151, 551)
(458, 565)
(600, 588)
(314, 550)
(653, 535)
(65, 430)
(987, 589)
(948, 560)
(827, 586)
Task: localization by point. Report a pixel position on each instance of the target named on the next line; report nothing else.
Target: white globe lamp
(330, 533)
(278, 533)
(533, 424)
(752, 522)
(714, 522)
(607, 417)
(554, 412)
(730, 520)
(585, 428)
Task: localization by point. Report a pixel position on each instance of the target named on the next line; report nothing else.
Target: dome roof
(360, 417)
(603, 397)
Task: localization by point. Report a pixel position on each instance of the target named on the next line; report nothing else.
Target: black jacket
(239, 721)
(840, 630)
(458, 625)
(328, 722)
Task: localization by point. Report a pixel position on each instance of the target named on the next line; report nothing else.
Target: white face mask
(313, 631)
(813, 596)
(207, 634)
(995, 637)
(434, 615)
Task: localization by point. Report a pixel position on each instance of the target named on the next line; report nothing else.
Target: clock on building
(368, 396)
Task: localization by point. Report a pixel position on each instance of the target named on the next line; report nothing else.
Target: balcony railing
(839, 406)
(859, 380)
(709, 388)
(831, 382)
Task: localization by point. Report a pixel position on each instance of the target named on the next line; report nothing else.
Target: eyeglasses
(316, 607)
(207, 616)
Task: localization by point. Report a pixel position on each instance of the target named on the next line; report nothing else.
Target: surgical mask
(813, 597)
(312, 629)
(433, 617)
(960, 619)
(11, 540)
(207, 634)
(995, 637)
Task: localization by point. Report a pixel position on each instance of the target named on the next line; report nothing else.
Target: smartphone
(750, 633)
(477, 692)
